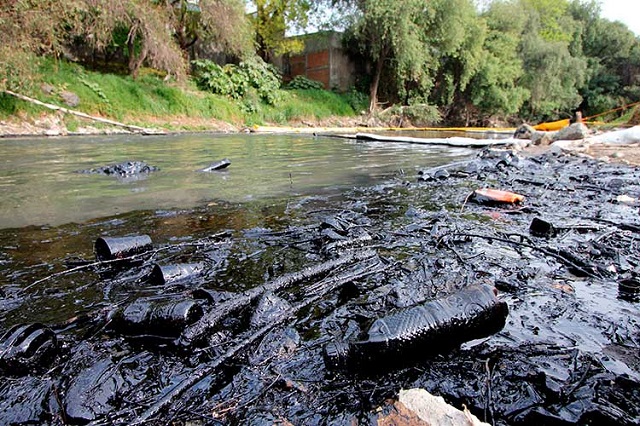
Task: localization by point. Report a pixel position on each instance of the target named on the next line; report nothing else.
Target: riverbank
(53, 125)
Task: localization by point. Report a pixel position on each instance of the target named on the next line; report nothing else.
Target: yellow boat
(552, 125)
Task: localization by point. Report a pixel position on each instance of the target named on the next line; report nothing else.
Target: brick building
(323, 60)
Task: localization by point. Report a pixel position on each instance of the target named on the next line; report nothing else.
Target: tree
(148, 31)
(555, 71)
(496, 89)
(612, 52)
(222, 24)
(29, 28)
(271, 20)
(465, 34)
(387, 34)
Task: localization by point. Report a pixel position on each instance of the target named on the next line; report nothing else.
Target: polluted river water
(234, 290)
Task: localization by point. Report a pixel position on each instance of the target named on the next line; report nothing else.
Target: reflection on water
(39, 183)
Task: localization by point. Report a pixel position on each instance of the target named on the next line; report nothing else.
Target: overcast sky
(625, 11)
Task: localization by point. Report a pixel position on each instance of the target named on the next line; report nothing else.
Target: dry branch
(202, 327)
(82, 114)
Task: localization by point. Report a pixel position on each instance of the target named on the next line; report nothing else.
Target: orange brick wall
(318, 60)
(321, 75)
(317, 66)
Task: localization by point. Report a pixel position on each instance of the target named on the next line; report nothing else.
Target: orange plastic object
(487, 195)
(552, 125)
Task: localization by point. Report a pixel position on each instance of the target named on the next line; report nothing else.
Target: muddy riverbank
(244, 340)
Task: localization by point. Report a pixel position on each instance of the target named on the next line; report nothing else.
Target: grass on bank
(150, 101)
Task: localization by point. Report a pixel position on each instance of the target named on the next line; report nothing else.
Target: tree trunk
(373, 92)
(136, 60)
(375, 83)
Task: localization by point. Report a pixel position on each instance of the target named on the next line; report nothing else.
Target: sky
(625, 11)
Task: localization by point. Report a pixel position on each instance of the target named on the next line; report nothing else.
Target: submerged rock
(124, 169)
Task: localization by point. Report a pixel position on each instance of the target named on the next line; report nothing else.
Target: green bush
(7, 104)
(235, 81)
(300, 82)
(359, 101)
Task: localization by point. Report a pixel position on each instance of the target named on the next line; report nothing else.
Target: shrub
(235, 81)
(300, 82)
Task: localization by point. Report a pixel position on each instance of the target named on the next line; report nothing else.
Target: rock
(435, 411)
(575, 131)
(124, 169)
(525, 131)
(47, 89)
(542, 138)
(70, 98)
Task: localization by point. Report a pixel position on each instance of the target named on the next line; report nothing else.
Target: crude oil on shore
(241, 337)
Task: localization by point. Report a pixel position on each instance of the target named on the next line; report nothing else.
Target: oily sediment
(314, 270)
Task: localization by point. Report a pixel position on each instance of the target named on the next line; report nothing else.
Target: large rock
(435, 411)
(574, 132)
(70, 98)
(525, 131)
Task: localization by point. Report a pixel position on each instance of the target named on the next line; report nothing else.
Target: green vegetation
(447, 61)
(237, 81)
(150, 101)
(304, 83)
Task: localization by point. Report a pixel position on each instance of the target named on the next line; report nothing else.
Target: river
(39, 183)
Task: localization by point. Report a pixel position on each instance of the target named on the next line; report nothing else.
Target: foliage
(613, 56)
(236, 81)
(306, 105)
(409, 46)
(271, 20)
(358, 101)
(420, 115)
(383, 32)
(535, 59)
(461, 60)
(495, 88)
(553, 75)
(301, 82)
(221, 23)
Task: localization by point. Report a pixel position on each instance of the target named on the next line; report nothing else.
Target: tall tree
(30, 27)
(495, 89)
(392, 33)
(272, 18)
(220, 24)
(149, 36)
(462, 56)
(554, 70)
(612, 52)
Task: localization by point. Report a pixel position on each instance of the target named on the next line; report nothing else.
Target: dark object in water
(153, 316)
(629, 289)
(218, 165)
(124, 169)
(26, 346)
(168, 274)
(110, 248)
(541, 228)
(437, 325)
